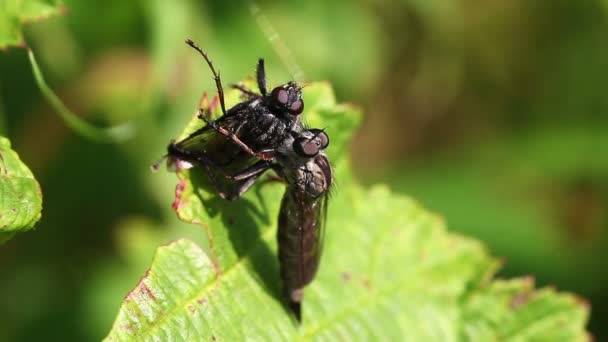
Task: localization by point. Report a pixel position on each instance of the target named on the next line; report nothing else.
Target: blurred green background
(492, 113)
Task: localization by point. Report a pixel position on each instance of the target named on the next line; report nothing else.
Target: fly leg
(200, 156)
(176, 151)
(245, 90)
(261, 79)
(267, 154)
(253, 170)
(216, 75)
(261, 76)
(249, 176)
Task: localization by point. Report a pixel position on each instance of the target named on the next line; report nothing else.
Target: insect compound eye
(306, 147)
(280, 95)
(321, 136)
(297, 107)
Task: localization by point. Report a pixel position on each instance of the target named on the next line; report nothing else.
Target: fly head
(288, 98)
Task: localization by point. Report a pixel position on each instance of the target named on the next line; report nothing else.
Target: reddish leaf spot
(345, 276)
(214, 103)
(202, 301)
(582, 302)
(520, 299)
(179, 190)
(127, 327)
(191, 308)
(142, 288)
(145, 290)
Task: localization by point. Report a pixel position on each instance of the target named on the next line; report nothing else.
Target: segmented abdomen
(299, 238)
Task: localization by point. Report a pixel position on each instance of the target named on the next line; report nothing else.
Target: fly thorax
(255, 103)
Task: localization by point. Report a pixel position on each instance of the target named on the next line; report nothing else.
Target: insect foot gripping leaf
(390, 271)
(20, 196)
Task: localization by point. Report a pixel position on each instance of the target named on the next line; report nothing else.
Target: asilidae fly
(245, 136)
(300, 161)
(307, 172)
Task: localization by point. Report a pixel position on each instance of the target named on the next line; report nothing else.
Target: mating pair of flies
(264, 132)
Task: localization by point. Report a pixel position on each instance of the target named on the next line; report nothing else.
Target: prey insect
(245, 136)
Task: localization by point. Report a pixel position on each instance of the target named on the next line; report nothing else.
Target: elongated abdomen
(298, 239)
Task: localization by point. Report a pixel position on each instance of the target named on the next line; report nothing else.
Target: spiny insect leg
(261, 76)
(264, 155)
(252, 170)
(245, 90)
(216, 75)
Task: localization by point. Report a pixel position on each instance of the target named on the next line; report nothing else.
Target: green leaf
(390, 269)
(20, 195)
(15, 13)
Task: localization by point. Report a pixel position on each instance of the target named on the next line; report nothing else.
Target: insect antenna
(277, 43)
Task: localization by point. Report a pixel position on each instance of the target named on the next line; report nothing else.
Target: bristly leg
(175, 151)
(264, 155)
(244, 90)
(253, 170)
(261, 76)
(216, 75)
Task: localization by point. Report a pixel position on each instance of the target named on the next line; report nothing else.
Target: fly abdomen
(298, 240)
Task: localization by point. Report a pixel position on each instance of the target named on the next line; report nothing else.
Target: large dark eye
(306, 147)
(280, 96)
(321, 136)
(297, 107)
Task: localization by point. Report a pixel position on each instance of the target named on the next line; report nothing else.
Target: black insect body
(261, 133)
(245, 136)
(308, 174)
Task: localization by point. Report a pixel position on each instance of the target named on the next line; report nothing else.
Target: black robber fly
(300, 161)
(245, 137)
(308, 175)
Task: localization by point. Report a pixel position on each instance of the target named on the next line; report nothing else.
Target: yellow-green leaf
(15, 13)
(20, 195)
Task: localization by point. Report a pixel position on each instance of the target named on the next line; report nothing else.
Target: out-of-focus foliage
(20, 196)
(14, 13)
(485, 111)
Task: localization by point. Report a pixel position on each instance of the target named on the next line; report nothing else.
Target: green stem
(114, 134)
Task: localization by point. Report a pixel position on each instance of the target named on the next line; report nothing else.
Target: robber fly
(300, 161)
(245, 136)
(308, 175)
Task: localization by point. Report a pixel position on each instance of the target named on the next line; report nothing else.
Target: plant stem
(113, 134)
